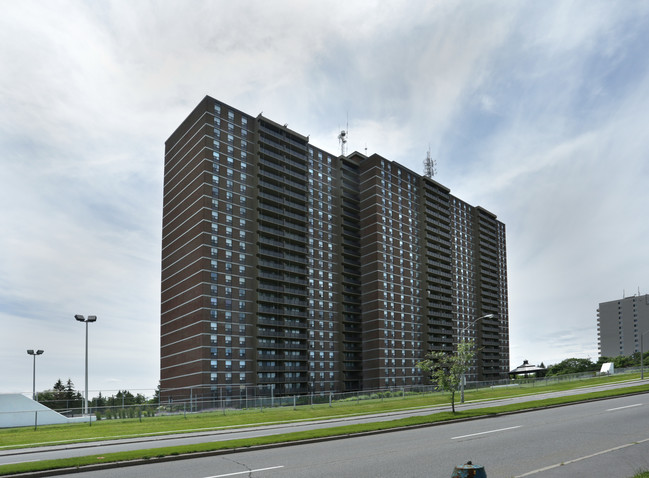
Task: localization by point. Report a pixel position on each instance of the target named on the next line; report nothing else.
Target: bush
(572, 365)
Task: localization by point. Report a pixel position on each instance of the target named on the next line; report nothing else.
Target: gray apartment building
(289, 270)
(620, 324)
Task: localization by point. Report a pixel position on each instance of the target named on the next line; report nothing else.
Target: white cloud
(535, 112)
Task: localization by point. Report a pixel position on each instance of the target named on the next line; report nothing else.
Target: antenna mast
(430, 165)
(342, 139)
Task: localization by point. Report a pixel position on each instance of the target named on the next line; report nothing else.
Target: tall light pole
(642, 355)
(81, 318)
(488, 316)
(31, 352)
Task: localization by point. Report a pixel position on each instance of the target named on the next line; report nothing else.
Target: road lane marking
(622, 408)
(533, 472)
(484, 433)
(246, 472)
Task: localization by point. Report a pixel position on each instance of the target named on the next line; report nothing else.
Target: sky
(536, 111)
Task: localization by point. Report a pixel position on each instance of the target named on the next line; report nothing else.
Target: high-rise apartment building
(285, 267)
(620, 324)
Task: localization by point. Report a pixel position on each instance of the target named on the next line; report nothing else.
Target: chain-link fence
(245, 399)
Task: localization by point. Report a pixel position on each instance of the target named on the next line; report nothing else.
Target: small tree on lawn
(447, 369)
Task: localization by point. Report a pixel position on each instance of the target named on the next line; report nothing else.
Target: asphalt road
(608, 438)
(15, 456)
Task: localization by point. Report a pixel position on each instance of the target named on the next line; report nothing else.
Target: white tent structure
(16, 410)
(608, 368)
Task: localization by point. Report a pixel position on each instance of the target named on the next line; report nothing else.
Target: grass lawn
(112, 429)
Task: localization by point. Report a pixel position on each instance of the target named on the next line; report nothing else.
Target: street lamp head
(81, 318)
(488, 316)
(39, 352)
(30, 352)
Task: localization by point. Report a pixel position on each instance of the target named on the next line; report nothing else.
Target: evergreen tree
(156, 395)
(69, 390)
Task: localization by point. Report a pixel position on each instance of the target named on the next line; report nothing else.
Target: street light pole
(463, 379)
(31, 352)
(81, 318)
(642, 354)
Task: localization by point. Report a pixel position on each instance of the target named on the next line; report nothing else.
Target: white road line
(533, 472)
(484, 433)
(622, 408)
(246, 472)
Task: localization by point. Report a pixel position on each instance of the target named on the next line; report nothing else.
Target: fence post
(293, 402)
(35, 419)
(329, 399)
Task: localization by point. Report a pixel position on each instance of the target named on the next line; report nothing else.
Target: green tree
(61, 396)
(59, 390)
(572, 365)
(622, 361)
(47, 398)
(69, 391)
(140, 399)
(98, 401)
(602, 360)
(447, 369)
(73, 398)
(124, 397)
(156, 395)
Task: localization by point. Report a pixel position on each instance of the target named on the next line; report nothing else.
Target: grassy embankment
(112, 429)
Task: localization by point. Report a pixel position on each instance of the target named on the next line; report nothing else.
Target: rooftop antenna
(342, 138)
(430, 165)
